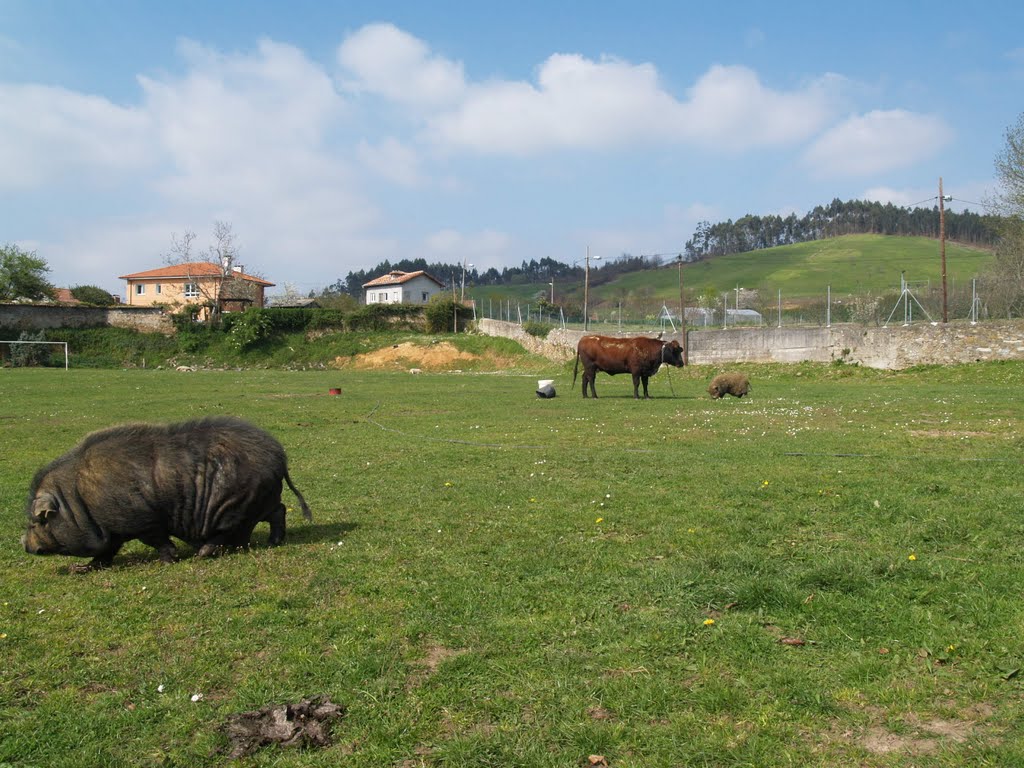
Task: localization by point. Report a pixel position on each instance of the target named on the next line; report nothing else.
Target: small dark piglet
(207, 482)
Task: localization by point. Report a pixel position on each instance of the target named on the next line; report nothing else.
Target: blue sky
(332, 136)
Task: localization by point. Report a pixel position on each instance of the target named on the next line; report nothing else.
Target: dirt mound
(305, 724)
(441, 356)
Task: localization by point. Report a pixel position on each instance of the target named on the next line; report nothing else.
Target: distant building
(397, 287)
(200, 282)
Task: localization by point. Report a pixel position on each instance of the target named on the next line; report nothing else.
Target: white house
(397, 287)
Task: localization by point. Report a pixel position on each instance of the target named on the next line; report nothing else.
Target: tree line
(853, 217)
(748, 233)
(533, 271)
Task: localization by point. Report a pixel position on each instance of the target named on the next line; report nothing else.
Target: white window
(140, 289)
(191, 290)
(424, 297)
(158, 287)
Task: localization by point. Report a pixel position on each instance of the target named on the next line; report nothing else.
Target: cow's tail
(575, 368)
(302, 502)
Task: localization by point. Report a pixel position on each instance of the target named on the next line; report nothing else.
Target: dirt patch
(441, 356)
(926, 738)
(306, 724)
(425, 667)
(434, 357)
(913, 735)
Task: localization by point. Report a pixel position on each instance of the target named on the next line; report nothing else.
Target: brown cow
(637, 355)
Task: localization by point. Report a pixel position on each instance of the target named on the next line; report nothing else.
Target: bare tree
(212, 287)
(1003, 284)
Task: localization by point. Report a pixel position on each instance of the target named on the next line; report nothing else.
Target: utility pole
(942, 249)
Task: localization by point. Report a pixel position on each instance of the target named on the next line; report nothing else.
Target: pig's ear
(43, 507)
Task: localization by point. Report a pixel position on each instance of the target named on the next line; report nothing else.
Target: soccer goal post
(59, 343)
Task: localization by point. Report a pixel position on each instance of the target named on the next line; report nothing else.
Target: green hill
(852, 265)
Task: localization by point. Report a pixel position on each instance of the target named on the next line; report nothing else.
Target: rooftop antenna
(906, 297)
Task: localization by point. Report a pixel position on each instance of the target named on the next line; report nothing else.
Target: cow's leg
(645, 379)
(589, 374)
(636, 386)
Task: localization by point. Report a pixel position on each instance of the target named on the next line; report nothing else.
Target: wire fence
(914, 302)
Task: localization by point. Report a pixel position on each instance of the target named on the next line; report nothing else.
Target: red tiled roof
(397, 277)
(191, 270)
(64, 296)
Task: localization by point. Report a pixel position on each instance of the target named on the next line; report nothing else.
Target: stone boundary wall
(890, 348)
(36, 317)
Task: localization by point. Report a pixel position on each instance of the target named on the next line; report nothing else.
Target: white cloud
(582, 104)
(49, 134)
(247, 137)
(729, 108)
(382, 59)
(579, 103)
(876, 142)
(392, 160)
(233, 112)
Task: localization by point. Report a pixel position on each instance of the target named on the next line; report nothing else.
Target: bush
(91, 294)
(24, 355)
(440, 315)
(298, 320)
(185, 318)
(384, 317)
(249, 328)
(538, 329)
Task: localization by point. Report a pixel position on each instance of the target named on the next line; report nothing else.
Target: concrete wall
(893, 348)
(35, 317)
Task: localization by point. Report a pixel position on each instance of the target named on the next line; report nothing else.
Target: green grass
(494, 579)
(853, 265)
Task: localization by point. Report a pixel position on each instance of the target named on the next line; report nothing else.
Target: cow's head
(672, 353)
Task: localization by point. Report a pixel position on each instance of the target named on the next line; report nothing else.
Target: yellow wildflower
(912, 556)
(708, 622)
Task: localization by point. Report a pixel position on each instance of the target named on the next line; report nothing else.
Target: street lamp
(586, 287)
(552, 284)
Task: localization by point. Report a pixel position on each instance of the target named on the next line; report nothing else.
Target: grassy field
(851, 265)
(827, 573)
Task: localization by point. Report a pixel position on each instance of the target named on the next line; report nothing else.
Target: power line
(980, 205)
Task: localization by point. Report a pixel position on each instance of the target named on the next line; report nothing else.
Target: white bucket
(541, 383)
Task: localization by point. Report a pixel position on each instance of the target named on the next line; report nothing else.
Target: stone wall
(892, 347)
(36, 317)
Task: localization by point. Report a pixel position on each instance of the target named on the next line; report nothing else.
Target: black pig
(207, 482)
